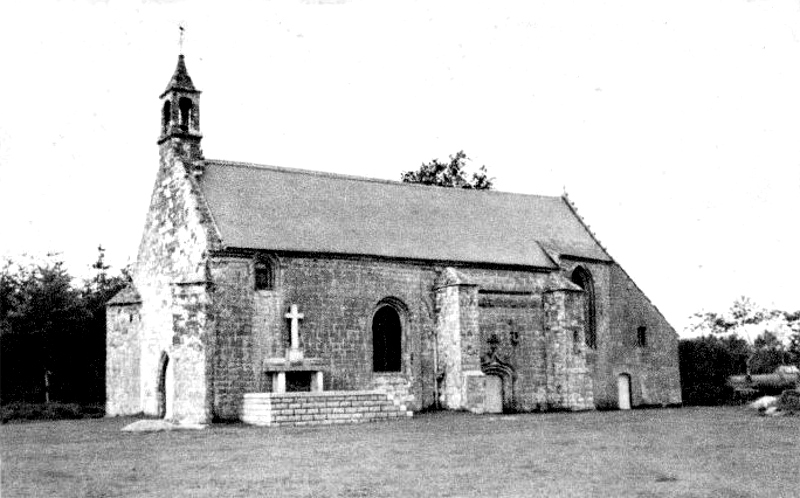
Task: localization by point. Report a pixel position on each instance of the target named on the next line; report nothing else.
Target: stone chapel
(277, 295)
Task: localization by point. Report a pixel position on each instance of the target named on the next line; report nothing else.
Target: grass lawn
(699, 452)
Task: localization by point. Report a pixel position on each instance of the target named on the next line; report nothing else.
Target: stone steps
(320, 408)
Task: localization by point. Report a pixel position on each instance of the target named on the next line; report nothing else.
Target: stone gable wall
(654, 370)
(173, 250)
(620, 308)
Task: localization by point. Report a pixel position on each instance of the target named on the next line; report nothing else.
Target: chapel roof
(128, 295)
(280, 209)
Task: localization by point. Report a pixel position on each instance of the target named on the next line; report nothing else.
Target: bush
(49, 411)
(705, 364)
(790, 401)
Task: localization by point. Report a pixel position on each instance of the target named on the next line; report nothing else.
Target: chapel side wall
(123, 356)
(511, 323)
(173, 250)
(654, 370)
(338, 298)
(540, 366)
(235, 364)
(601, 359)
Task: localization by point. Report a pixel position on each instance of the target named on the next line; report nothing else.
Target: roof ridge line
(344, 176)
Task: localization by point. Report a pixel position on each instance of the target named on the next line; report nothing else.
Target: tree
(52, 333)
(743, 313)
(793, 349)
(44, 315)
(774, 335)
(449, 174)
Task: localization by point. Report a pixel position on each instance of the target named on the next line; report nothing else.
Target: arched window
(387, 339)
(165, 117)
(265, 279)
(185, 106)
(265, 269)
(583, 279)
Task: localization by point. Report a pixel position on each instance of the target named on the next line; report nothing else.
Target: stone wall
(620, 308)
(337, 297)
(506, 327)
(513, 343)
(654, 370)
(569, 386)
(123, 357)
(191, 353)
(449, 348)
(173, 250)
(236, 360)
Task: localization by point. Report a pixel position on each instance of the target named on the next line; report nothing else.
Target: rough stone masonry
(438, 298)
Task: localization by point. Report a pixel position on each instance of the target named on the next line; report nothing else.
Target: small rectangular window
(641, 337)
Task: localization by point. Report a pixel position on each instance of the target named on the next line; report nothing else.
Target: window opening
(165, 117)
(387, 333)
(583, 279)
(641, 337)
(265, 276)
(185, 106)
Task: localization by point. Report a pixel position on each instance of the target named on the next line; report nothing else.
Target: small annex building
(256, 279)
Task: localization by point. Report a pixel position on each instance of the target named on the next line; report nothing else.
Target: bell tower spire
(180, 110)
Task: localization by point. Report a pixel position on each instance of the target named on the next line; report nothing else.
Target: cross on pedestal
(295, 354)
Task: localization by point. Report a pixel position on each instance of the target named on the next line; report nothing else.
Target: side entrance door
(624, 391)
(494, 394)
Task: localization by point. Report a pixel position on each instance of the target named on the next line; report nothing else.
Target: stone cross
(295, 354)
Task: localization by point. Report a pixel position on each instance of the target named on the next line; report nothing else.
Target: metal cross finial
(180, 40)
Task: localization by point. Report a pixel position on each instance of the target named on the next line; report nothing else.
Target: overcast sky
(674, 126)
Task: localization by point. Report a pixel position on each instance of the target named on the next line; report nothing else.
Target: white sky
(673, 125)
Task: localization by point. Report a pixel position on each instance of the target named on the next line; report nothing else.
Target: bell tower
(180, 114)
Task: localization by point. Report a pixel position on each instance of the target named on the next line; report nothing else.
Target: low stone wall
(332, 407)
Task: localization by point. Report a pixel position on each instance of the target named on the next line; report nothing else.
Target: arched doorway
(624, 391)
(499, 385)
(166, 386)
(387, 339)
(494, 394)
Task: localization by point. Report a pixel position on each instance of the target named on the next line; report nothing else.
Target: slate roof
(127, 295)
(265, 207)
(180, 79)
